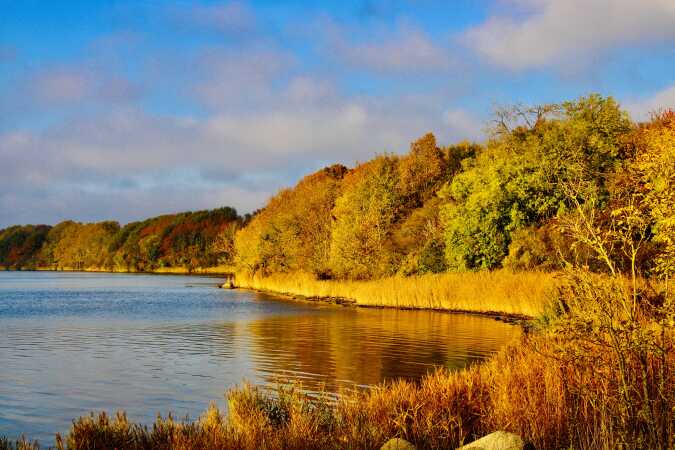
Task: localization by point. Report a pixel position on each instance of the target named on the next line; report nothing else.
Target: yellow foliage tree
(292, 232)
(655, 168)
(421, 170)
(361, 247)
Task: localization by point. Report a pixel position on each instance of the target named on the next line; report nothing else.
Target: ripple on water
(71, 343)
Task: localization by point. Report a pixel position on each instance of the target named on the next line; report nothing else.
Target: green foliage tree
(515, 181)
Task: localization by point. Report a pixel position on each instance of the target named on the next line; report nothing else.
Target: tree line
(511, 201)
(185, 240)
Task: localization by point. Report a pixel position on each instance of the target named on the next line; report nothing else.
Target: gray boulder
(499, 440)
(397, 444)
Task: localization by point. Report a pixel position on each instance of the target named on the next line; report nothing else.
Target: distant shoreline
(211, 271)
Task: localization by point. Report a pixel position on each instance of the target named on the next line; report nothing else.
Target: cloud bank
(539, 33)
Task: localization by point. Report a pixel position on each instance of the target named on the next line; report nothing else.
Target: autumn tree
(361, 247)
(654, 170)
(620, 323)
(293, 231)
(515, 181)
(75, 245)
(20, 245)
(421, 171)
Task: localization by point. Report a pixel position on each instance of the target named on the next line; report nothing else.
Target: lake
(71, 343)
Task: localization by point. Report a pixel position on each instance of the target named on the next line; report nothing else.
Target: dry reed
(503, 292)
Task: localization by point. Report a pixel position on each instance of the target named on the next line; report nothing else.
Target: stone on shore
(397, 444)
(228, 284)
(499, 440)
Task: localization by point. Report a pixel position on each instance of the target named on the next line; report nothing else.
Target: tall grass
(504, 292)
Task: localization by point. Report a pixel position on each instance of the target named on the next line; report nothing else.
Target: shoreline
(515, 319)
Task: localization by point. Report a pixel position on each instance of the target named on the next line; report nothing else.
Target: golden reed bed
(503, 292)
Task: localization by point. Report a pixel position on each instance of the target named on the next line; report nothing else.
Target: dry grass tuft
(20, 444)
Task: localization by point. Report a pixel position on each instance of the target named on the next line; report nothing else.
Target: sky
(127, 109)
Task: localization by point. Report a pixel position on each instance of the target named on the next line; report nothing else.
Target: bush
(543, 248)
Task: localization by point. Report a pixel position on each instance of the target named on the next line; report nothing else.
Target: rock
(499, 440)
(397, 444)
(228, 284)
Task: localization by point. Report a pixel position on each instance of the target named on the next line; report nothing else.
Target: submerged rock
(499, 440)
(397, 444)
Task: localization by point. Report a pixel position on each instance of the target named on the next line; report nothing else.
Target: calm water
(71, 343)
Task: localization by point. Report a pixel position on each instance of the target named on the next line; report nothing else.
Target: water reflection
(72, 343)
(351, 346)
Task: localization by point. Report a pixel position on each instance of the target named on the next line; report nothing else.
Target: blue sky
(127, 109)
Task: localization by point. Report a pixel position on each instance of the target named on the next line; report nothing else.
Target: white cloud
(551, 32)
(462, 125)
(287, 132)
(129, 142)
(232, 79)
(72, 85)
(407, 50)
(640, 109)
(62, 86)
(231, 17)
(154, 164)
(306, 89)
